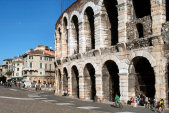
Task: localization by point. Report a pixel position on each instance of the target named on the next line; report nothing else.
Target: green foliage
(9, 73)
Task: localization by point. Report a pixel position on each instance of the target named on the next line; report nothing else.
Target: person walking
(117, 99)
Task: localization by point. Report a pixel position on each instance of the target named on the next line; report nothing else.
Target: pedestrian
(117, 99)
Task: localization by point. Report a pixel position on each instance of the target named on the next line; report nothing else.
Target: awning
(16, 79)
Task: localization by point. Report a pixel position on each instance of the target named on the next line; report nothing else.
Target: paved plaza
(13, 100)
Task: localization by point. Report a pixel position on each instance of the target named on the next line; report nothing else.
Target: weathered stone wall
(153, 46)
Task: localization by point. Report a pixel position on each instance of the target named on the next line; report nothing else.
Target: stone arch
(65, 15)
(110, 80)
(88, 4)
(65, 36)
(141, 73)
(93, 63)
(89, 81)
(88, 22)
(113, 58)
(143, 54)
(65, 81)
(74, 13)
(75, 81)
(74, 34)
(139, 11)
(109, 17)
(167, 10)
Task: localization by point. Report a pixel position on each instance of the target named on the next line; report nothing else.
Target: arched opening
(75, 82)
(141, 78)
(167, 10)
(59, 81)
(75, 34)
(142, 8)
(89, 81)
(110, 79)
(65, 41)
(90, 29)
(65, 80)
(112, 12)
(3, 79)
(140, 30)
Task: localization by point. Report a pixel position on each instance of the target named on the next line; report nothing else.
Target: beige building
(17, 64)
(108, 47)
(39, 65)
(7, 68)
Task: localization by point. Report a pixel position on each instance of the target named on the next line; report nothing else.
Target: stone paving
(24, 101)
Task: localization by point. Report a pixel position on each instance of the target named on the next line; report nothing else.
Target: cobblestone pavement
(14, 100)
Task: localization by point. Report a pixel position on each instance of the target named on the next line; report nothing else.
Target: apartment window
(40, 58)
(16, 74)
(45, 66)
(50, 59)
(30, 73)
(17, 64)
(17, 69)
(40, 73)
(30, 57)
(50, 66)
(30, 64)
(41, 65)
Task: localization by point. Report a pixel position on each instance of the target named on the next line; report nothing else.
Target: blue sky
(24, 24)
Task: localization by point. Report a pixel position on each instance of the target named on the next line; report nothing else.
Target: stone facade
(17, 64)
(122, 48)
(39, 65)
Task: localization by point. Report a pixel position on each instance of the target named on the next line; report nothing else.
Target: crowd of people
(147, 102)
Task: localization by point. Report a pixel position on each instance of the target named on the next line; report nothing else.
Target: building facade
(7, 68)
(39, 65)
(17, 64)
(108, 47)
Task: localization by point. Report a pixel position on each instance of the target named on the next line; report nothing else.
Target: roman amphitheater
(108, 47)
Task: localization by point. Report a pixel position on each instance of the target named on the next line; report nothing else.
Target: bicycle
(160, 109)
(118, 105)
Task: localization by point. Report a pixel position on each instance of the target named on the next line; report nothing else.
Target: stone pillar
(122, 20)
(102, 30)
(160, 83)
(69, 83)
(73, 40)
(81, 87)
(158, 15)
(99, 90)
(64, 42)
(57, 44)
(82, 37)
(123, 77)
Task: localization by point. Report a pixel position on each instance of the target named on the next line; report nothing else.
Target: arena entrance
(141, 78)
(65, 80)
(75, 82)
(89, 81)
(110, 79)
(59, 82)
